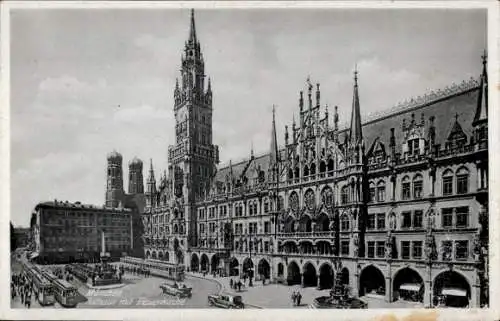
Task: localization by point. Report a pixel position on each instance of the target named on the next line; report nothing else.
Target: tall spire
(274, 141)
(151, 177)
(355, 134)
(192, 30)
(482, 100)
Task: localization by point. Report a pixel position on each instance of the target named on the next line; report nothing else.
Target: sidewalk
(277, 296)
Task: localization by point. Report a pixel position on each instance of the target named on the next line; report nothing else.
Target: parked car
(226, 301)
(177, 289)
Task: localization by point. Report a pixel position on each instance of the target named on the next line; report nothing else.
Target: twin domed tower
(115, 194)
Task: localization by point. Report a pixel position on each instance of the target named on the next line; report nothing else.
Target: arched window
(330, 167)
(418, 183)
(372, 192)
(266, 205)
(447, 182)
(322, 167)
(462, 181)
(313, 169)
(290, 174)
(344, 223)
(297, 172)
(381, 191)
(405, 188)
(345, 194)
(306, 171)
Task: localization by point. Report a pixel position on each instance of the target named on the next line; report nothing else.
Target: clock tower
(193, 158)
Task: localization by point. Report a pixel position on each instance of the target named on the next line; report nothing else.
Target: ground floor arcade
(435, 285)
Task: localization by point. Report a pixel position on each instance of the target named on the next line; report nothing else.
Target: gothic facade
(394, 204)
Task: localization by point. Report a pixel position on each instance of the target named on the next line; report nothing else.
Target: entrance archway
(344, 276)
(215, 262)
(264, 269)
(195, 263)
(408, 285)
(248, 267)
(451, 289)
(281, 269)
(233, 267)
(293, 275)
(204, 263)
(371, 281)
(310, 277)
(325, 276)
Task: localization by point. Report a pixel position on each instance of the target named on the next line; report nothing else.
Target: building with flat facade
(67, 232)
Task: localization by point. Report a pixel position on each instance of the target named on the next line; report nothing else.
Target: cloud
(62, 84)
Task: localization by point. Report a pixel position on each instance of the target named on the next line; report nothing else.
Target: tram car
(64, 292)
(158, 268)
(42, 287)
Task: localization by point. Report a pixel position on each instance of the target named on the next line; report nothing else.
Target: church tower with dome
(114, 185)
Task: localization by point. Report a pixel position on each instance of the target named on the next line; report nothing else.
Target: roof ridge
(419, 101)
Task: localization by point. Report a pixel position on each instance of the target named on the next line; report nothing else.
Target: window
(413, 146)
(344, 248)
(406, 221)
(381, 191)
(405, 249)
(417, 249)
(462, 216)
(447, 217)
(417, 219)
(345, 195)
(446, 250)
(266, 205)
(405, 193)
(462, 181)
(448, 183)
(381, 221)
(417, 186)
(266, 246)
(371, 249)
(267, 227)
(380, 248)
(371, 222)
(461, 250)
(344, 226)
(372, 193)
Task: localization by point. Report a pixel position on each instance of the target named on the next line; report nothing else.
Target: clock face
(310, 200)
(294, 201)
(327, 197)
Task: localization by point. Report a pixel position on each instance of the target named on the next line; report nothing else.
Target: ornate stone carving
(294, 201)
(389, 244)
(310, 200)
(327, 197)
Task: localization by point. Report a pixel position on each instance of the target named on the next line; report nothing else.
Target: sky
(86, 82)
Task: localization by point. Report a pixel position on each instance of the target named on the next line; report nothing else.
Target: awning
(454, 292)
(411, 287)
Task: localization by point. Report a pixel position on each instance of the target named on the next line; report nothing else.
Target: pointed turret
(482, 101)
(192, 30)
(274, 142)
(355, 134)
(150, 186)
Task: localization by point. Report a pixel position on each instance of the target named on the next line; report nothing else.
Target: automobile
(226, 301)
(177, 289)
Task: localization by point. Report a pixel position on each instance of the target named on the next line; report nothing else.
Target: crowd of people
(22, 287)
(135, 270)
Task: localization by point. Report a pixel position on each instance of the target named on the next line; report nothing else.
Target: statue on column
(389, 245)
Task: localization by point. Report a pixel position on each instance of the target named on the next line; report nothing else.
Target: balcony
(302, 235)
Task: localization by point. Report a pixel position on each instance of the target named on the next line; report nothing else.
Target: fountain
(339, 298)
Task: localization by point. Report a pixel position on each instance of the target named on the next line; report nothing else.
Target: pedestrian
(299, 297)
(294, 298)
(231, 283)
(239, 286)
(263, 281)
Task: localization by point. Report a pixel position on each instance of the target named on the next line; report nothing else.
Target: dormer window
(413, 147)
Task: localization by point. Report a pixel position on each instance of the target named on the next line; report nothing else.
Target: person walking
(294, 298)
(299, 297)
(231, 283)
